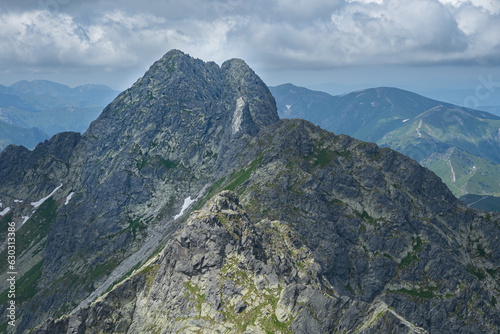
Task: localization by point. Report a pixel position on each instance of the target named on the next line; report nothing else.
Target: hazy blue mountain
(52, 107)
(40, 87)
(367, 114)
(492, 109)
(87, 94)
(10, 100)
(486, 99)
(422, 128)
(12, 134)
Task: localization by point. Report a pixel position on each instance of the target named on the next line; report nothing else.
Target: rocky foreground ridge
(319, 232)
(224, 273)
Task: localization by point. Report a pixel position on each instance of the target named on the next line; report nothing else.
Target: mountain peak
(250, 89)
(179, 89)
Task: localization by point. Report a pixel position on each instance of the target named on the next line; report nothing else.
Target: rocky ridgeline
(332, 233)
(381, 226)
(223, 273)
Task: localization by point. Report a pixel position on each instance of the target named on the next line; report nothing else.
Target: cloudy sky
(335, 44)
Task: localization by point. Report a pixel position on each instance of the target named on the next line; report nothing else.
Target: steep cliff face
(332, 234)
(158, 143)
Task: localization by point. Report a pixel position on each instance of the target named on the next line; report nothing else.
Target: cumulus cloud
(392, 32)
(306, 34)
(490, 6)
(113, 39)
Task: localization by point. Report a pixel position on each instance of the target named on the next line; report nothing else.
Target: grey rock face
(224, 273)
(380, 226)
(33, 174)
(165, 139)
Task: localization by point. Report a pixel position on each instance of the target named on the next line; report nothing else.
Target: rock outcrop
(223, 273)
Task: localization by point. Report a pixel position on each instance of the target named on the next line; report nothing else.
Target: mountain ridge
(131, 169)
(240, 249)
(366, 221)
(423, 233)
(419, 127)
(50, 107)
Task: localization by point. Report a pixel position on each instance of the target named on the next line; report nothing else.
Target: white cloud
(277, 34)
(490, 6)
(114, 39)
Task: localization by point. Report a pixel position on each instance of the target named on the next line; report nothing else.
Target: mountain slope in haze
(486, 203)
(318, 231)
(367, 114)
(488, 101)
(419, 127)
(465, 173)
(12, 134)
(52, 107)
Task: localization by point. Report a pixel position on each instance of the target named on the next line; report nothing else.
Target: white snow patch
(187, 202)
(40, 202)
(5, 211)
(406, 120)
(18, 201)
(68, 198)
(238, 115)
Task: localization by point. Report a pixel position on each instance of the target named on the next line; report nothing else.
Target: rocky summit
(188, 206)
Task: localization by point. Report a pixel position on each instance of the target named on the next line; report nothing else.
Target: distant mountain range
(31, 112)
(462, 146)
(13, 134)
(485, 99)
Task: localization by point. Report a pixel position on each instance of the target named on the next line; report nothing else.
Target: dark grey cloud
(107, 35)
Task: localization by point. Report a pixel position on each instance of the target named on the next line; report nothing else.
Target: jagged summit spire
(223, 95)
(250, 89)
